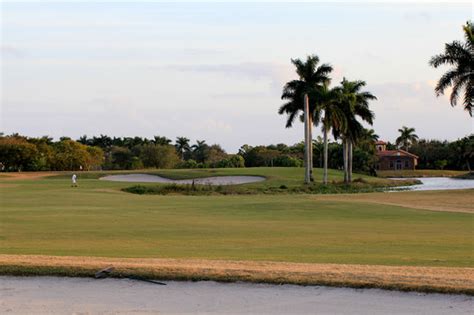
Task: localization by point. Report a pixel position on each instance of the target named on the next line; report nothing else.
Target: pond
(440, 183)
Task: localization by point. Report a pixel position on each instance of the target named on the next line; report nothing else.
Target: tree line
(21, 153)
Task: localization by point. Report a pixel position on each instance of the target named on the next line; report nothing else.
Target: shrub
(188, 164)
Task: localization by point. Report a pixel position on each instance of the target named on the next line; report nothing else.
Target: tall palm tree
(407, 138)
(311, 78)
(200, 151)
(182, 146)
(460, 56)
(332, 117)
(355, 104)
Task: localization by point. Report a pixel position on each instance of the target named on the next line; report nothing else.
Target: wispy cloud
(277, 74)
(11, 51)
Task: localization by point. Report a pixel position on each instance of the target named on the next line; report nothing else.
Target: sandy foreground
(428, 279)
(53, 295)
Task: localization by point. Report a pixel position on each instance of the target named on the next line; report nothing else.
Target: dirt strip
(426, 279)
(28, 175)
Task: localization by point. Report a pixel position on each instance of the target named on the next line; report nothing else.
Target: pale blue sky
(215, 71)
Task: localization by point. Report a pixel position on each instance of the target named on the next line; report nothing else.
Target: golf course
(266, 231)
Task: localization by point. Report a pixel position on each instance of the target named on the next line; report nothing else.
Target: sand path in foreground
(440, 279)
(62, 295)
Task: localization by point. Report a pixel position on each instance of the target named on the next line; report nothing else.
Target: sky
(215, 71)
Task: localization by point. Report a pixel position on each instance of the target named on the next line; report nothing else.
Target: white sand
(217, 180)
(52, 295)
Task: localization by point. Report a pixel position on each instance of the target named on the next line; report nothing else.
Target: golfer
(74, 180)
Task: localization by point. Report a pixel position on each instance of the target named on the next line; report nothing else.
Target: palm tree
(332, 118)
(161, 140)
(407, 137)
(311, 78)
(182, 146)
(354, 104)
(461, 56)
(368, 139)
(200, 151)
(318, 145)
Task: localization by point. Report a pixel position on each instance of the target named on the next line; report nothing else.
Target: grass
(420, 173)
(45, 216)
(469, 175)
(278, 181)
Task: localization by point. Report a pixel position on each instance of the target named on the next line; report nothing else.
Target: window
(406, 163)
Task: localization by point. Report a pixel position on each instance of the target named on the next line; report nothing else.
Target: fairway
(45, 216)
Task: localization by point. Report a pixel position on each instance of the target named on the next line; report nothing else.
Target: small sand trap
(216, 180)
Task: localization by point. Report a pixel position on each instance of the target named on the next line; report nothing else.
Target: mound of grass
(173, 189)
(359, 185)
(469, 175)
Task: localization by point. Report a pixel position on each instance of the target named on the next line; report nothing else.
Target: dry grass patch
(446, 200)
(426, 279)
(27, 175)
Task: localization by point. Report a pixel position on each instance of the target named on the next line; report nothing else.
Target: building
(394, 160)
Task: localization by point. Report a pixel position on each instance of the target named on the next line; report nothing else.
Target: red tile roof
(396, 153)
(380, 142)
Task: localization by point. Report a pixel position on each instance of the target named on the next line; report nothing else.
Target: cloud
(415, 104)
(213, 125)
(422, 16)
(277, 74)
(11, 51)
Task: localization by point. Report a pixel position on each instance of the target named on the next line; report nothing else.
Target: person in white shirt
(74, 180)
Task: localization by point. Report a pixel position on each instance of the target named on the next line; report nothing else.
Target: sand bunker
(216, 180)
(52, 295)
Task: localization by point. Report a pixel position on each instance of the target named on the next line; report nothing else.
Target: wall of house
(390, 163)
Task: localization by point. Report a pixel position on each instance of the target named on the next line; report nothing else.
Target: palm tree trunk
(307, 175)
(349, 162)
(310, 131)
(345, 156)
(325, 176)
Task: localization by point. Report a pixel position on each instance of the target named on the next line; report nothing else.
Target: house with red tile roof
(394, 160)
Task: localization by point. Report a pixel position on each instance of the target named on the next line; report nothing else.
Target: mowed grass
(48, 217)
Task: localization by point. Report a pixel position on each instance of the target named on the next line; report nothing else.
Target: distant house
(394, 160)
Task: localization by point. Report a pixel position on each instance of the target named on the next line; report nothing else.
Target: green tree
(200, 151)
(311, 78)
(17, 154)
(161, 140)
(215, 154)
(95, 158)
(460, 56)
(182, 146)
(158, 156)
(70, 155)
(407, 138)
(355, 104)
